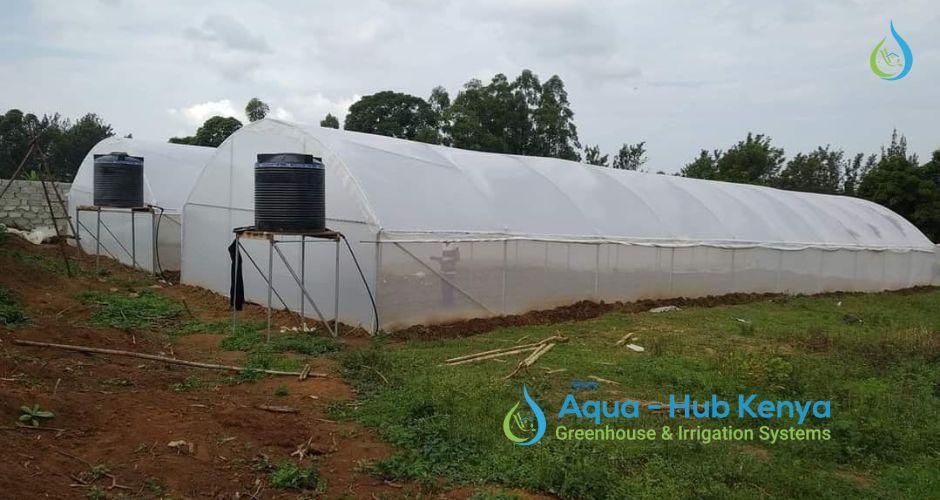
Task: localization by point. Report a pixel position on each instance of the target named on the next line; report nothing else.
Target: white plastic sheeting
(539, 232)
(170, 171)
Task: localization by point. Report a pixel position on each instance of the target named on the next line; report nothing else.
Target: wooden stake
(131, 354)
(531, 359)
(504, 350)
(625, 338)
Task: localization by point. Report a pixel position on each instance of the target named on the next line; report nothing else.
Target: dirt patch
(121, 413)
(578, 311)
(585, 310)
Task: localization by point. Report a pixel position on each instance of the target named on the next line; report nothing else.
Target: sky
(681, 76)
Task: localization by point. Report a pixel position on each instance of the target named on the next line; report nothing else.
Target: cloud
(197, 114)
(227, 33)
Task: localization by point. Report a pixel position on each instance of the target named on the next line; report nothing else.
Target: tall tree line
(893, 178)
(64, 142)
(523, 116)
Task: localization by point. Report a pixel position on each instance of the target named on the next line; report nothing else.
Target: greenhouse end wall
(515, 276)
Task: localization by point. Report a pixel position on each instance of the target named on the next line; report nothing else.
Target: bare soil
(123, 412)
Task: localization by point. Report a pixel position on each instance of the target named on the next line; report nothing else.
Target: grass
(142, 309)
(290, 476)
(11, 314)
(50, 263)
(881, 372)
(188, 384)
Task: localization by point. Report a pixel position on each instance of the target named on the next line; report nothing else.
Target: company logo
(524, 428)
(886, 63)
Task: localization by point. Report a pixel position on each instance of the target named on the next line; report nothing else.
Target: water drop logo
(887, 63)
(531, 427)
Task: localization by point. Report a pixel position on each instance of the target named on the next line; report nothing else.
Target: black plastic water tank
(290, 193)
(119, 180)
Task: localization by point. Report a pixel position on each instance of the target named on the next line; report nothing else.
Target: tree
(557, 135)
(751, 161)
(703, 167)
(256, 109)
(392, 114)
(522, 117)
(212, 133)
(64, 144)
(74, 142)
(592, 156)
(817, 172)
(854, 171)
(330, 121)
(630, 156)
(898, 183)
(439, 101)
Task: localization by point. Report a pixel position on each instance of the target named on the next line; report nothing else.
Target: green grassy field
(876, 357)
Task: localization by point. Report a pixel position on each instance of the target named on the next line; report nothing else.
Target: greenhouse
(170, 170)
(444, 234)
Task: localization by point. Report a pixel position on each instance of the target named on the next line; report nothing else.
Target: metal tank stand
(132, 252)
(275, 238)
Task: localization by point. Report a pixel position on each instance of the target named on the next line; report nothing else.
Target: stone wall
(24, 206)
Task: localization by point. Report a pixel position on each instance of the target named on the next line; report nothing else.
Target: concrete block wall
(24, 206)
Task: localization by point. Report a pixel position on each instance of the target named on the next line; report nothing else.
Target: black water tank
(119, 180)
(290, 193)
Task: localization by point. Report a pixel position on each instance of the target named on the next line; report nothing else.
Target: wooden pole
(131, 354)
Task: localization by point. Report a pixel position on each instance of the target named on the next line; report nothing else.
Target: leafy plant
(281, 391)
(288, 475)
(34, 415)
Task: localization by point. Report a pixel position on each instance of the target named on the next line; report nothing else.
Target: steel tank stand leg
(336, 294)
(97, 243)
(303, 274)
(270, 282)
(234, 276)
(133, 241)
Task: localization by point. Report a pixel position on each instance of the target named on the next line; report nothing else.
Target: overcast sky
(681, 76)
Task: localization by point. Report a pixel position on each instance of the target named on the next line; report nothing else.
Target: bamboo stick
(531, 359)
(507, 350)
(115, 352)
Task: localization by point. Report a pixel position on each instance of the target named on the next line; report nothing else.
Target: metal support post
(302, 288)
(270, 282)
(303, 275)
(505, 263)
(153, 239)
(234, 275)
(133, 240)
(97, 241)
(336, 294)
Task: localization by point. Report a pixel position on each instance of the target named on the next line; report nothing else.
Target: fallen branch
(531, 359)
(625, 338)
(593, 377)
(504, 351)
(131, 354)
(491, 355)
(278, 409)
